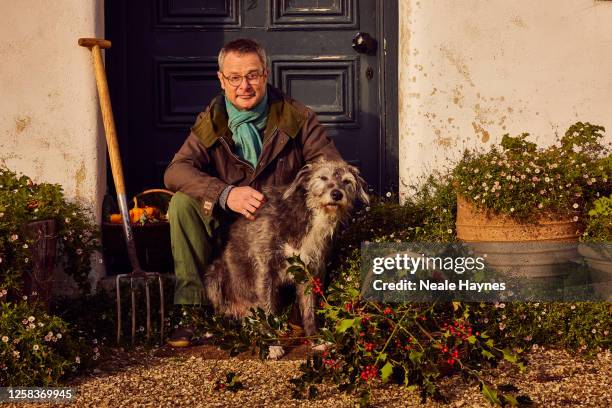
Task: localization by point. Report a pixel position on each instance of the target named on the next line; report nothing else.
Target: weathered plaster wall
(49, 121)
(472, 70)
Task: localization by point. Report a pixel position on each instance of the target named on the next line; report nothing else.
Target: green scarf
(245, 126)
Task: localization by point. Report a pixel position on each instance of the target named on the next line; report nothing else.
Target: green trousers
(193, 238)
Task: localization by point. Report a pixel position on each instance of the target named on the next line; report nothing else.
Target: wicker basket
(152, 240)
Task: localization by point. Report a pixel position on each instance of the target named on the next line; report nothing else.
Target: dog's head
(331, 186)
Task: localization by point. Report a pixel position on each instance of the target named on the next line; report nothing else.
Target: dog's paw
(276, 352)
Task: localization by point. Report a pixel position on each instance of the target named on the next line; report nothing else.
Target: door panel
(162, 69)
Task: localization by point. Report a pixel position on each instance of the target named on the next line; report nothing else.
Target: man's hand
(244, 200)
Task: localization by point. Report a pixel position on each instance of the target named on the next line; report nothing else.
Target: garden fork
(95, 45)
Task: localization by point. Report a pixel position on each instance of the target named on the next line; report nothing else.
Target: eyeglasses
(252, 77)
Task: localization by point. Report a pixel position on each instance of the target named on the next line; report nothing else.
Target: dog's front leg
(307, 309)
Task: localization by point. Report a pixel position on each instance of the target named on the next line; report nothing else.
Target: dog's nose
(336, 195)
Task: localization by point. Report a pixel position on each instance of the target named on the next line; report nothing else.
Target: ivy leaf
(510, 400)
(487, 354)
(471, 339)
(386, 371)
(456, 305)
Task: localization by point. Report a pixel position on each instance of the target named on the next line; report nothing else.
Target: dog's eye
(324, 178)
(346, 181)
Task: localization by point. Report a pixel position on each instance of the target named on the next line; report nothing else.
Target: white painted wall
(50, 127)
(472, 70)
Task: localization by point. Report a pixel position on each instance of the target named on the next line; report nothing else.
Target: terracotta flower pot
(538, 249)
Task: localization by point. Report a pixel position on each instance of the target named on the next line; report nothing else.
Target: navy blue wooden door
(162, 69)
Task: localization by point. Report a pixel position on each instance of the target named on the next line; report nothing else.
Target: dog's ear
(361, 185)
(300, 179)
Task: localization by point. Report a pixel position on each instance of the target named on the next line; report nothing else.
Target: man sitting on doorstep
(250, 136)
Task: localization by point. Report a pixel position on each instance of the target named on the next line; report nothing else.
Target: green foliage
(524, 181)
(231, 382)
(35, 349)
(599, 222)
(581, 326)
(22, 201)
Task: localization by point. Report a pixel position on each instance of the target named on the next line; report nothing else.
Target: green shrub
(22, 201)
(522, 180)
(36, 349)
(599, 222)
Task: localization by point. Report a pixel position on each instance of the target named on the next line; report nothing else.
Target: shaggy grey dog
(297, 219)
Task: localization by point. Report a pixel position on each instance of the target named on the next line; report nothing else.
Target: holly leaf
(344, 325)
(489, 394)
(510, 400)
(386, 371)
(509, 356)
(487, 354)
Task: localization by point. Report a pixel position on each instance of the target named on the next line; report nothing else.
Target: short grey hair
(243, 46)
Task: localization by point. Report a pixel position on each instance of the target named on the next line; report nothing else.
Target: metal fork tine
(146, 276)
(161, 302)
(118, 290)
(148, 298)
(133, 310)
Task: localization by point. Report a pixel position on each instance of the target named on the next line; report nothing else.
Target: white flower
(35, 348)
(450, 231)
(575, 205)
(31, 319)
(1, 214)
(25, 246)
(594, 331)
(540, 205)
(575, 218)
(572, 307)
(537, 171)
(14, 237)
(5, 339)
(77, 359)
(16, 354)
(59, 335)
(67, 220)
(512, 209)
(388, 194)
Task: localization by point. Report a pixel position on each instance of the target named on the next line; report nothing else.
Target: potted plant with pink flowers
(519, 192)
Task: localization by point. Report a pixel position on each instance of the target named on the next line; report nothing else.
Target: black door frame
(387, 12)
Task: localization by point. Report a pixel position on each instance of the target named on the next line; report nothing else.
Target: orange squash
(115, 218)
(136, 213)
(151, 212)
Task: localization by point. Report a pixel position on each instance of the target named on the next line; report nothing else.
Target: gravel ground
(555, 378)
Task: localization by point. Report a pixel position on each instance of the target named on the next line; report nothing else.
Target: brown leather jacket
(207, 163)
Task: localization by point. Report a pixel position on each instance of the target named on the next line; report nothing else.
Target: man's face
(247, 94)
